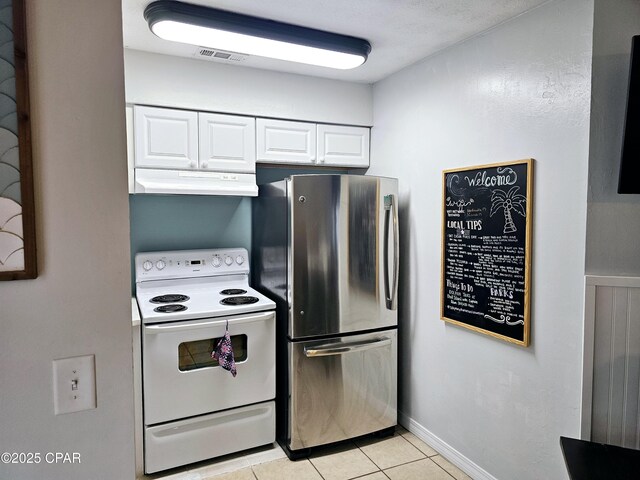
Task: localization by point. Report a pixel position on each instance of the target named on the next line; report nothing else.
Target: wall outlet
(74, 384)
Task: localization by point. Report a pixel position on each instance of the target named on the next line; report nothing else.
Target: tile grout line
(365, 474)
(354, 444)
(315, 468)
(419, 460)
(370, 459)
(443, 467)
(405, 463)
(425, 454)
(379, 469)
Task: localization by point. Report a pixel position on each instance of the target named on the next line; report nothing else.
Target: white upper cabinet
(285, 142)
(227, 143)
(343, 146)
(281, 141)
(172, 139)
(165, 138)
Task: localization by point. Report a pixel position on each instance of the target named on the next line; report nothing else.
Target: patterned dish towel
(223, 353)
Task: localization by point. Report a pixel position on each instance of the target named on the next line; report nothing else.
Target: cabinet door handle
(205, 164)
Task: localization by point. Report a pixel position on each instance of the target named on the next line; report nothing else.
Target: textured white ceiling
(401, 32)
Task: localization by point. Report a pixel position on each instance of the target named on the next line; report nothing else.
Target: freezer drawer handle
(341, 348)
(179, 327)
(391, 292)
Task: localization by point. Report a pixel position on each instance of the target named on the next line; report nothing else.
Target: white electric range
(193, 408)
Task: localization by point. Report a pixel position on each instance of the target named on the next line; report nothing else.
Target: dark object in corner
(598, 461)
(628, 181)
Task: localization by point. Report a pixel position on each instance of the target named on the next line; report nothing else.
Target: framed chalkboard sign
(486, 249)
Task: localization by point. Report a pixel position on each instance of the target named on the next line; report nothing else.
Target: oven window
(197, 354)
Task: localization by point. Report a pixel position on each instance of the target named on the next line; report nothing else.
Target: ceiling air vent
(211, 54)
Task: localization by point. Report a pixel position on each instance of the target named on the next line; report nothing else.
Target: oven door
(180, 379)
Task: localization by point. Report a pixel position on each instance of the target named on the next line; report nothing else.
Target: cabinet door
(165, 138)
(227, 143)
(280, 141)
(343, 146)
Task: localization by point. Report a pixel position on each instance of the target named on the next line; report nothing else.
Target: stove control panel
(191, 263)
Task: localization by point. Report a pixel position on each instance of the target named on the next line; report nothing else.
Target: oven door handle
(340, 348)
(181, 326)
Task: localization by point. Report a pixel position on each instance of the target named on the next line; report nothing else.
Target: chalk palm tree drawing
(509, 201)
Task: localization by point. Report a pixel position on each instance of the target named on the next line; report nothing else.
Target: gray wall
(178, 82)
(183, 222)
(519, 90)
(79, 304)
(613, 221)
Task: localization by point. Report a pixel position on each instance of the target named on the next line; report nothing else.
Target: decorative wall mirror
(17, 219)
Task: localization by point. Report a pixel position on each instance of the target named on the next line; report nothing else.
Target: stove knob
(228, 261)
(147, 265)
(239, 259)
(216, 262)
(160, 264)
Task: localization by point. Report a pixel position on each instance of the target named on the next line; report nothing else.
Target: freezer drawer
(186, 441)
(341, 388)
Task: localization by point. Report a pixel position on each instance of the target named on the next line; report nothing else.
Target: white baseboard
(444, 449)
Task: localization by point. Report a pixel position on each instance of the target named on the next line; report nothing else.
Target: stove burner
(233, 291)
(170, 308)
(238, 300)
(169, 298)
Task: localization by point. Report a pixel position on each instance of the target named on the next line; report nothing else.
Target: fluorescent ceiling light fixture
(223, 30)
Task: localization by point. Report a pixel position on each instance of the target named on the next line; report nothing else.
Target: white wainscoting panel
(611, 414)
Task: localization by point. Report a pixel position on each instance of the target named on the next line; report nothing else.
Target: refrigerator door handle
(341, 348)
(391, 212)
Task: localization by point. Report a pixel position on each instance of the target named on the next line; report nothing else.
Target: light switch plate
(74, 384)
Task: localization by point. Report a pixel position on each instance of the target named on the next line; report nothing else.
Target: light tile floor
(400, 457)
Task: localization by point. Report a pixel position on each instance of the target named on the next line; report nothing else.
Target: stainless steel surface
(391, 212)
(322, 252)
(336, 397)
(336, 256)
(341, 348)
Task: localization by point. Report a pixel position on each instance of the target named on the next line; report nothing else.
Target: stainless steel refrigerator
(325, 248)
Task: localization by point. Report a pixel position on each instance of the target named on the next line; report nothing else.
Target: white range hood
(189, 182)
(176, 151)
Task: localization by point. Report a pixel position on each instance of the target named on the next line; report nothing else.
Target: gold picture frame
(485, 281)
(17, 216)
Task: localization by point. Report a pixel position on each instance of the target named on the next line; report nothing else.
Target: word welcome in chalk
(505, 176)
(465, 224)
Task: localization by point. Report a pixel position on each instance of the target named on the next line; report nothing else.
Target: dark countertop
(598, 461)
